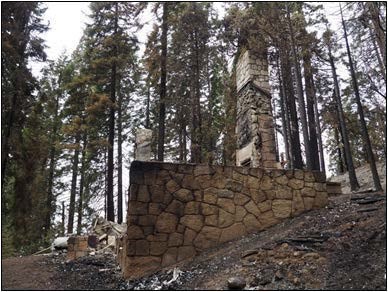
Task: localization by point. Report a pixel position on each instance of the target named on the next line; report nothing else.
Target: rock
(258, 196)
(176, 207)
(189, 182)
(237, 230)
(143, 194)
(207, 209)
(321, 199)
(283, 192)
(175, 239)
(266, 183)
(227, 205)
(185, 252)
(192, 208)
(253, 182)
(157, 248)
(278, 276)
(172, 186)
(297, 204)
(157, 193)
(166, 223)
(264, 206)
(189, 236)
(268, 219)
(236, 283)
(263, 278)
(296, 184)
(282, 180)
(224, 193)
(251, 223)
(210, 195)
(203, 169)
(240, 213)
(308, 203)
(184, 195)
(308, 192)
(240, 199)
(138, 208)
(134, 232)
(211, 220)
(225, 219)
(234, 186)
(208, 237)
(192, 221)
(170, 256)
(252, 208)
(281, 208)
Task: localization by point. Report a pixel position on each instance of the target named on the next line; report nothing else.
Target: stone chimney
(143, 144)
(255, 126)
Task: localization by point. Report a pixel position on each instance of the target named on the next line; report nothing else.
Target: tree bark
(299, 91)
(111, 136)
(364, 130)
(344, 132)
(163, 80)
(73, 190)
(81, 185)
(119, 161)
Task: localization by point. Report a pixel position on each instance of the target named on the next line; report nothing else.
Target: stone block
(320, 177)
(268, 219)
(140, 265)
(237, 230)
(309, 176)
(251, 207)
(233, 185)
(142, 248)
(175, 239)
(133, 189)
(184, 195)
(157, 193)
(150, 177)
(134, 232)
(225, 219)
(166, 222)
(186, 252)
(198, 196)
(137, 208)
(204, 181)
(281, 208)
(176, 207)
(296, 184)
(240, 199)
(211, 220)
(189, 182)
(299, 174)
(210, 196)
(189, 236)
(147, 220)
(320, 187)
(207, 209)
(251, 223)
(154, 208)
(219, 181)
(227, 205)
(203, 170)
(265, 206)
(283, 192)
(308, 203)
(208, 237)
(136, 177)
(157, 248)
(225, 193)
(192, 208)
(192, 221)
(258, 196)
(240, 213)
(177, 177)
(185, 168)
(162, 177)
(238, 176)
(170, 257)
(131, 247)
(297, 203)
(256, 172)
(253, 182)
(172, 186)
(281, 180)
(308, 192)
(159, 237)
(266, 183)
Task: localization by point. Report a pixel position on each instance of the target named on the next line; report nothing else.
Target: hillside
(342, 246)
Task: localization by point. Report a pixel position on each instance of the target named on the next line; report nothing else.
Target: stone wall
(177, 210)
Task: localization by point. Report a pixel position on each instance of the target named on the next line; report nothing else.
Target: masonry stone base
(178, 210)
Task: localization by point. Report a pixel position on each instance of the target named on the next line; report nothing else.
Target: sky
(67, 22)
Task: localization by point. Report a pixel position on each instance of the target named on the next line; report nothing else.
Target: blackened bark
(310, 94)
(299, 91)
(364, 130)
(111, 136)
(163, 80)
(119, 161)
(319, 135)
(81, 185)
(73, 190)
(344, 132)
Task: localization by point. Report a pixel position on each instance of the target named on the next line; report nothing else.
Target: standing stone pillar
(254, 126)
(143, 144)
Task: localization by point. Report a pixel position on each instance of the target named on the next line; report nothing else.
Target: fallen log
(367, 209)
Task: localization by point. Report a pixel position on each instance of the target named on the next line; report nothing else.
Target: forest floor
(340, 247)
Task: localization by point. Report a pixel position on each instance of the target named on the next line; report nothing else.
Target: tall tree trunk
(147, 122)
(163, 80)
(340, 163)
(378, 28)
(299, 91)
(50, 196)
(310, 94)
(284, 115)
(111, 137)
(364, 130)
(344, 132)
(82, 185)
(73, 190)
(63, 219)
(319, 135)
(119, 161)
(297, 161)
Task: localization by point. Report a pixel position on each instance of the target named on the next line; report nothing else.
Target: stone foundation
(178, 210)
(77, 246)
